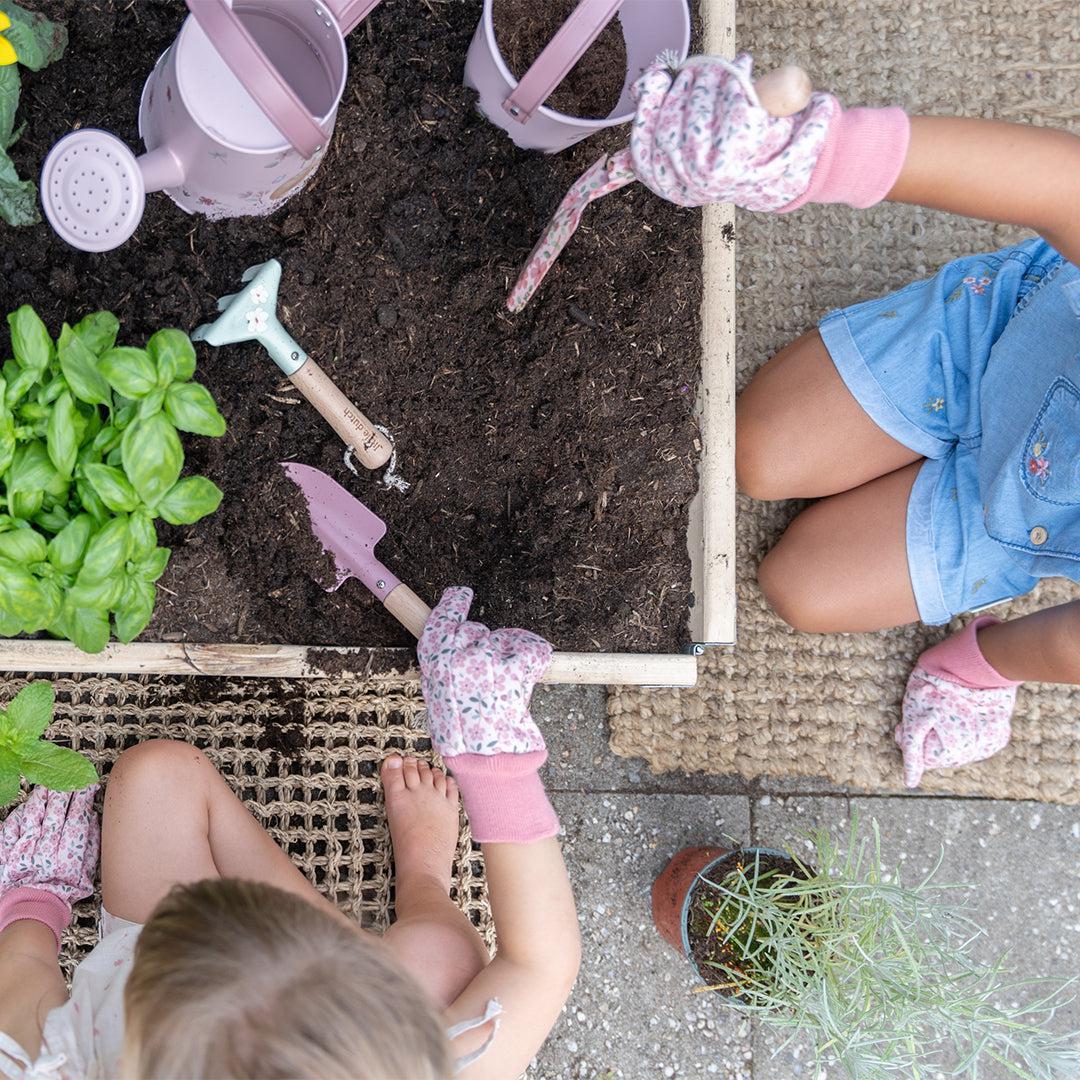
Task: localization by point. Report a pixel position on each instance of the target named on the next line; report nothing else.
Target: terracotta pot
(672, 887)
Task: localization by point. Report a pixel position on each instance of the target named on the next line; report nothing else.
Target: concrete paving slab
(1020, 857)
(633, 1014)
(573, 720)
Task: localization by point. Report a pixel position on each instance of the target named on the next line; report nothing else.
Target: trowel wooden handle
(356, 430)
(785, 90)
(603, 669)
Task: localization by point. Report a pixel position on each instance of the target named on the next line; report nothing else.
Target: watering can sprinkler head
(251, 315)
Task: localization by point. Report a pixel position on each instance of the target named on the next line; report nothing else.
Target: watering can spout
(161, 169)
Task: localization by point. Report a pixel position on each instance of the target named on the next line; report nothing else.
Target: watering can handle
(560, 54)
(349, 13)
(259, 77)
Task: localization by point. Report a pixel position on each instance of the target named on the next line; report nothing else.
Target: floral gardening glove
(48, 857)
(477, 684)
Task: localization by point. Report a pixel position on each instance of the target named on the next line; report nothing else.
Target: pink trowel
(349, 531)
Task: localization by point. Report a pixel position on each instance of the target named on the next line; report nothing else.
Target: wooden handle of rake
(372, 447)
(579, 669)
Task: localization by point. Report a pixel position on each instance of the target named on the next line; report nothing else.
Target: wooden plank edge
(318, 661)
(711, 531)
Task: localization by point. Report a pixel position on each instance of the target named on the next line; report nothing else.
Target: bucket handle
(349, 13)
(259, 77)
(560, 54)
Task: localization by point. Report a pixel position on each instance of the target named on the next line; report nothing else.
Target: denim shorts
(977, 369)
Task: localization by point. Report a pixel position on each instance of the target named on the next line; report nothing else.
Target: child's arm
(30, 982)
(1012, 173)
(537, 962)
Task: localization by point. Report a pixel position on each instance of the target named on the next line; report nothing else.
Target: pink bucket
(236, 116)
(649, 26)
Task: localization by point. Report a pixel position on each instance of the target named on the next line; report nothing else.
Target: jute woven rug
(789, 704)
(303, 755)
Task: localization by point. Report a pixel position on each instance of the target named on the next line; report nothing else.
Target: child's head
(233, 978)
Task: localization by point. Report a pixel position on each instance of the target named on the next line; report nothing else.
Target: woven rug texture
(303, 755)
(797, 705)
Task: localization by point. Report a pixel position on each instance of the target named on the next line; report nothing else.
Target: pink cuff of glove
(37, 905)
(959, 659)
(504, 796)
(863, 154)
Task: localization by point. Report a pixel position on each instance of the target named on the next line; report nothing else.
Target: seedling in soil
(876, 974)
(35, 43)
(24, 751)
(90, 458)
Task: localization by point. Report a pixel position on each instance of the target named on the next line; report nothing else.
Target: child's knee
(760, 471)
(788, 584)
(156, 761)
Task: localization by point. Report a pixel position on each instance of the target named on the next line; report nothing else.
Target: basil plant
(90, 459)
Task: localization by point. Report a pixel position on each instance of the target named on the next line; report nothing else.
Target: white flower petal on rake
(256, 320)
(260, 294)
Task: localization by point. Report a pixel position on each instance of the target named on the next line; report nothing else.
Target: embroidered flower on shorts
(1039, 461)
(934, 405)
(977, 285)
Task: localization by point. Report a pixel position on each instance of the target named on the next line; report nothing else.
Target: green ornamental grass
(878, 975)
(90, 459)
(23, 751)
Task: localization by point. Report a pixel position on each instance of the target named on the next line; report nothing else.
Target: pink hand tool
(236, 116)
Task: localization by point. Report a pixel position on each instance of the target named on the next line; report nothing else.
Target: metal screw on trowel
(380, 584)
(295, 356)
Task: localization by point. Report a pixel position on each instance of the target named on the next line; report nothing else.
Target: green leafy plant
(23, 751)
(878, 975)
(90, 458)
(37, 42)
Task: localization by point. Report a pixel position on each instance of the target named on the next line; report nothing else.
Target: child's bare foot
(422, 809)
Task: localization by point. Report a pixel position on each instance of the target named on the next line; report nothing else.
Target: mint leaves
(37, 42)
(90, 459)
(23, 751)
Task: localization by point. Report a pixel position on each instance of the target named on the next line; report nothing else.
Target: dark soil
(708, 949)
(593, 86)
(551, 454)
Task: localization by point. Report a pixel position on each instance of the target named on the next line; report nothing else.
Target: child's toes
(412, 772)
(438, 778)
(424, 771)
(393, 775)
(451, 789)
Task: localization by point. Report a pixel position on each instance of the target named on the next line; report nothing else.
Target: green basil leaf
(98, 332)
(30, 341)
(25, 504)
(191, 408)
(52, 600)
(100, 594)
(10, 772)
(79, 364)
(18, 386)
(48, 394)
(107, 438)
(191, 499)
(53, 519)
(31, 469)
(115, 458)
(135, 610)
(152, 566)
(57, 767)
(9, 625)
(23, 546)
(7, 440)
(152, 457)
(91, 501)
(113, 486)
(173, 356)
(107, 551)
(87, 627)
(30, 711)
(67, 547)
(143, 535)
(129, 371)
(151, 404)
(62, 441)
(20, 596)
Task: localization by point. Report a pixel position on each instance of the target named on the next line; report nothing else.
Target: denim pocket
(1050, 466)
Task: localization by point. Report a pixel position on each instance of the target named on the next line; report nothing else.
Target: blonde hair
(239, 979)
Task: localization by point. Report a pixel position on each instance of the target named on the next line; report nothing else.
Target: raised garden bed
(553, 455)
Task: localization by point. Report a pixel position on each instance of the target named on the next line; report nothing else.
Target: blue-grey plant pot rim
(704, 872)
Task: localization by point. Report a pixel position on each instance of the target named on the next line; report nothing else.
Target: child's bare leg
(1043, 647)
(432, 936)
(800, 434)
(171, 818)
(842, 564)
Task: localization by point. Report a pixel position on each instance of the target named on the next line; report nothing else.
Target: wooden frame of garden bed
(710, 538)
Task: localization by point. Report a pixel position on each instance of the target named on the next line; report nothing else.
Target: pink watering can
(649, 27)
(236, 116)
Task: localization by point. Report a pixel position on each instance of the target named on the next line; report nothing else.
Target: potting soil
(551, 455)
(593, 86)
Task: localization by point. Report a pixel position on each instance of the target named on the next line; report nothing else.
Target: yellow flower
(7, 52)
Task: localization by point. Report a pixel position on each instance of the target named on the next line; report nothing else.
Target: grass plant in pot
(877, 975)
